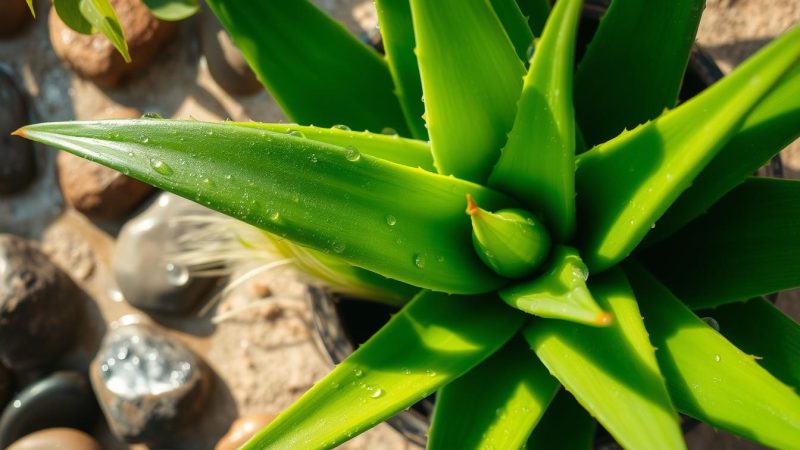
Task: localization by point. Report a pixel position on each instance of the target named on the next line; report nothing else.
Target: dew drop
(313, 158)
(430, 373)
(338, 246)
(151, 115)
(377, 393)
(717, 358)
(389, 131)
(391, 220)
(273, 214)
(295, 133)
(352, 154)
(405, 371)
(358, 372)
(160, 167)
(145, 139)
(228, 177)
(712, 322)
(531, 50)
(341, 127)
(419, 260)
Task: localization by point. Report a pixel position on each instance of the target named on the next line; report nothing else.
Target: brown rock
(39, 306)
(242, 430)
(14, 15)
(56, 438)
(96, 190)
(95, 58)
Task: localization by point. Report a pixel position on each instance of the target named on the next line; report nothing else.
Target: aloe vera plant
(557, 274)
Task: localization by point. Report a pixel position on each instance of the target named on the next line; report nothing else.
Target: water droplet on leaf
(160, 167)
(352, 154)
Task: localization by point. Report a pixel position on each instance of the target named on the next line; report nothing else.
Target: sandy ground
(264, 357)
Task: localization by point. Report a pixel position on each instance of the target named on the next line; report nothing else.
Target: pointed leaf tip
(19, 132)
(472, 207)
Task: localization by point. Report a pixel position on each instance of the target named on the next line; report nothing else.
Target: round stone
(242, 430)
(17, 167)
(56, 438)
(40, 307)
(63, 399)
(148, 384)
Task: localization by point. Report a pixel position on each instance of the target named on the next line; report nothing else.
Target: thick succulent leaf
(747, 245)
(653, 164)
(634, 65)
(494, 405)
(759, 328)
(430, 342)
(103, 19)
(172, 9)
(611, 371)
(408, 152)
(516, 26)
(709, 378)
(397, 32)
(560, 293)
(565, 426)
(772, 125)
(402, 223)
(30, 6)
(536, 11)
(314, 68)
(537, 164)
(471, 79)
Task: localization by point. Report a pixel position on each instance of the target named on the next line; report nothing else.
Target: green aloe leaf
(430, 342)
(560, 293)
(30, 6)
(471, 79)
(634, 65)
(516, 26)
(356, 89)
(403, 223)
(653, 164)
(565, 426)
(172, 9)
(537, 164)
(536, 11)
(747, 245)
(772, 125)
(408, 152)
(70, 13)
(612, 371)
(761, 329)
(494, 405)
(103, 19)
(397, 31)
(709, 378)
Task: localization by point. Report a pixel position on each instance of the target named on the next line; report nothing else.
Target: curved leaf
(759, 328)
(772, 125)
(612, 371)
(747, 245)
(471, 79)
(103, 19)
(30, 6)
(516, 26)
(70, 13)
(634, 65)
(537, 164)
(408, 152)
(536, 11)
(430, 342)
(315, 69)
(494, 405)
(709, 378)
(172, 9)
(403, 223)
(397, 31)
(653, 164)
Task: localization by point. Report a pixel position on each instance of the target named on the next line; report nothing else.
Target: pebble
(56, 438)
(226, 64)
(145, 275)
(40, 307)
(63, 399)
(95, 58)
(243, 429)
(96, 190)
(148, 384)
(14, 16)
(17, 168)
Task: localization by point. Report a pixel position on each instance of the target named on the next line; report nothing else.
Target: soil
(263, 354)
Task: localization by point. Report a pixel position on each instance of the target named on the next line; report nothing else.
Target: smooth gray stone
(142, 269)
(63, 399)
(17, 167)
(148, 383)
(40, 307)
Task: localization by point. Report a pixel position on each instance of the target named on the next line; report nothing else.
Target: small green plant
(98, 16)
(587, 254)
